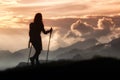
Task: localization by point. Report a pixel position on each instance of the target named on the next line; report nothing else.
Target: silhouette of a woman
(35, 38)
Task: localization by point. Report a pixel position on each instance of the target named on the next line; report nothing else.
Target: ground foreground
(65, 67)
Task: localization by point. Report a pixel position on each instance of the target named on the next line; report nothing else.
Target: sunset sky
(12, 11)
(64, 15)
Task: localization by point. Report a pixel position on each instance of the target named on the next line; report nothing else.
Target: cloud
(62, 22)
(67, 30)
(9, 2)
(80, 28)
(28, 1)
(105, 27)
(72, 34)
(69, 9)
(116, 20)
(59, 8)
(105, 23)
(103, 32)
(25, 10)
(44, 2)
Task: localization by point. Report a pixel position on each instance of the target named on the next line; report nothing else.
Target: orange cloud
(60, 8)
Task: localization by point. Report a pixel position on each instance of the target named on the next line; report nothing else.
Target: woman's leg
(37, 52)
(36, 55)
(32, 59)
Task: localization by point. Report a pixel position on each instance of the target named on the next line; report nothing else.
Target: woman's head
(38, 17)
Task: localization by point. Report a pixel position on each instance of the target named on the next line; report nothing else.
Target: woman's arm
(46, 32)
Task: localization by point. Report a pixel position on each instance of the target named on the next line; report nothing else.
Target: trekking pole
(48, 47)
(29, 53)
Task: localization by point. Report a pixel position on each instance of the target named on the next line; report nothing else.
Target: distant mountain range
(77, 51)
(111, 49)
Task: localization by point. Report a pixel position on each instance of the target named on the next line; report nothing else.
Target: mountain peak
(84, 44)
(115, 43)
